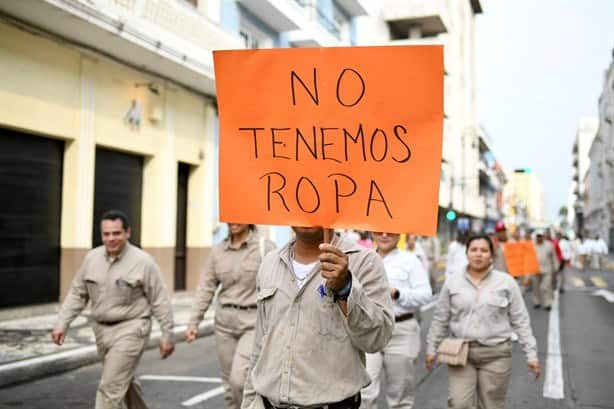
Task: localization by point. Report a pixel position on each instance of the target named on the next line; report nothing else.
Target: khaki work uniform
(499, 263)
(485, 315)
(235, 315)
(542, 282)
(431, 248)
(306, 352)
(124, 292)
(407, 274)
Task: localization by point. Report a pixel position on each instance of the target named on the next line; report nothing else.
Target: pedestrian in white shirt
(601, 248)
(583, 252)
(592, 255)
(457, 255)
(409, 289)
(567, 253)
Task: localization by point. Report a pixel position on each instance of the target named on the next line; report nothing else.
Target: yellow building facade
(90, 104)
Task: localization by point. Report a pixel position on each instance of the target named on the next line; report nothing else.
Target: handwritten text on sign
(336, 137)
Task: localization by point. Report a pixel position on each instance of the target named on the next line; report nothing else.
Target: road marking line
(180, 378)
(608, 295)
(599, 282)
(203, 396)
(553, 384)
(577, 282)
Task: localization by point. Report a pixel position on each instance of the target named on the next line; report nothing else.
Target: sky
(540, 67)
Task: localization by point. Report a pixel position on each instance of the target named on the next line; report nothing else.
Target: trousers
(542, 289)
(234, 339)
(120, 347)
(483, 382)
(397, 362)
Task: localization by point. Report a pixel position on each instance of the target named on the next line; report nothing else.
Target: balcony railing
(314, 13)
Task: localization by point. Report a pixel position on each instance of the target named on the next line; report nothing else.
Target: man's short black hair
(114, 215)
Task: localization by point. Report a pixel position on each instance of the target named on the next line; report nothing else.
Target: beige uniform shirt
(235, 270)
(306, 352)
(487, 314)
(127, 287)
(546, 256)
(499, 258)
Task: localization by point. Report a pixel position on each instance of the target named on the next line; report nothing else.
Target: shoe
(561, 290)
(548, 308)
(536, 306)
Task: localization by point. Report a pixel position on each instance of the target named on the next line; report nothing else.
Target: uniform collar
(252, 236)
(392, 252)
(120, 255)
(485, 279)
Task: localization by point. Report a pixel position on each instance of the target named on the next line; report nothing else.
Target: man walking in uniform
(409, 289)
(548, 264)
(321, 306)
(125, 287)
(499, 257)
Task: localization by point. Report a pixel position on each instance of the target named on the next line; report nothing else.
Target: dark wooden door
(183, 174)
(119, 186)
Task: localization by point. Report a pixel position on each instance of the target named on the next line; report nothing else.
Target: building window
(249, 39)
(254, 36)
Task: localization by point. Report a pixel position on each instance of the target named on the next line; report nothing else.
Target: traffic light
(451, 215)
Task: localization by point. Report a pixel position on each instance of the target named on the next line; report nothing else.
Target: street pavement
(190, 378)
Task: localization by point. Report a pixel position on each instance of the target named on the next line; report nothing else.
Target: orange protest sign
(333, 137)
(531, 263)
(520, 258)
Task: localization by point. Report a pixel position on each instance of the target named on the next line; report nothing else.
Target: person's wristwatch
(344, 293)
(397, 294)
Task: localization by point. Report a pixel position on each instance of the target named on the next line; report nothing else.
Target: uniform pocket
(331, 321)
(127, 290)
(496, 301)
(93, 290)
(496, 308)
(264, 300)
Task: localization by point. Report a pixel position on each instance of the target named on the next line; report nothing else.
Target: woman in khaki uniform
(484, 307)
(233, 264)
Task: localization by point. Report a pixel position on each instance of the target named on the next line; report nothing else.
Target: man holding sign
(332, 137)
(321, 306)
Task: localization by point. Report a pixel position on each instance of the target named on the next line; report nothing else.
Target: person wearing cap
(409, 290)
(499, 258)
(233, 265)
(548, 265)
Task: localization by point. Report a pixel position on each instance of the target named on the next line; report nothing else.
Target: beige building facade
(450, 23)
(525, 201)
(132, 128)
(598, 204)
(111, 104)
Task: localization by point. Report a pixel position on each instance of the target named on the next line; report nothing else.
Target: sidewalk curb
(38, 367)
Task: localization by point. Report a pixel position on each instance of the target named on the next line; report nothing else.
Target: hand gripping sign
(332, 137)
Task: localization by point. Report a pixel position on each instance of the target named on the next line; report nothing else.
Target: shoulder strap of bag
(468, 319)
